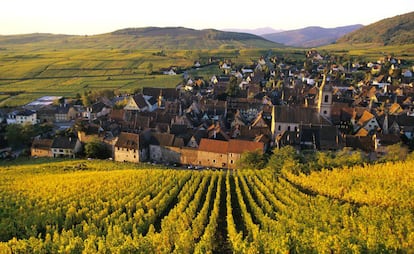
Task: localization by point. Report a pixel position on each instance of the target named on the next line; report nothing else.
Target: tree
(285, 158)
(86, 100)
(252, 160)
(96, 149)
(19, 136)
(233, 88)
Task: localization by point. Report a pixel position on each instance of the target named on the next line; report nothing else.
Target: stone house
(289, 118)
(130, 147)
(141, 103)
(22, 117)
(65, 113)
(63, 146)
(224, 154)
(162, 147)
(41, 148)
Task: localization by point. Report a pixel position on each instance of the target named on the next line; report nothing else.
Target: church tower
(325, 99)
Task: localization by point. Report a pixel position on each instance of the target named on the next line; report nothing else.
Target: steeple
(325, 98)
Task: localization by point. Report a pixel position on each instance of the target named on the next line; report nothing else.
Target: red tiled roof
(240, 146)
(212, 145)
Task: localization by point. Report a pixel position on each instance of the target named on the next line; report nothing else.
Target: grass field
(373, 52)
(67, 72)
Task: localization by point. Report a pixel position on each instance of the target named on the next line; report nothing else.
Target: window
(231, 162)
(279, 128)
(288, 128)
(214, 161)
(325, 112)
(326, 98)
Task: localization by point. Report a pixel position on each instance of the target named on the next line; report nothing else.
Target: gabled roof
(167, 93)
(117, 115)
(128, 140)
(62, 109)
(366, 117)
(44, 144)
(140, 101)
(25, 112)
(64, 142)
(298, 115)
(98, 107)
(240, 146)
(260, 121)
(162, 139)
(214, 146)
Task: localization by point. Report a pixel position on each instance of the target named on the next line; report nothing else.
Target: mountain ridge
(311, 36)
(145, 38)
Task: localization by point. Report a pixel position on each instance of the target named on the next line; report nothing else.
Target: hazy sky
(94, 17)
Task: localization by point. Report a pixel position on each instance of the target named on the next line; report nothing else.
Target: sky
(90, 17)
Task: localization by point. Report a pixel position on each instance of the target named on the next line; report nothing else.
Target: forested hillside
(391, 31)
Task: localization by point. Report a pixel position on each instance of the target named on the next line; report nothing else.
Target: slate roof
(128, 140)
(162, 139)
(25, 112)
(62, 109)
(167, 93)
(299, 115)
(140, 101)
(63, 142)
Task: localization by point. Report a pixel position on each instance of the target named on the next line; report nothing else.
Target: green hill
(397, 30)
(143, 38)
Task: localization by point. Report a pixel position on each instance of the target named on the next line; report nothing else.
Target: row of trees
(289, 159)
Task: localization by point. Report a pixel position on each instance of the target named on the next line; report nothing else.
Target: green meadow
(35, 65)
(27, 73)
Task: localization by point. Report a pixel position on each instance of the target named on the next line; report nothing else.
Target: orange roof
(240, 146)
(212, 145)
(366, 116)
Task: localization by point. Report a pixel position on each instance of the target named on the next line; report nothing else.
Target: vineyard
(107, 207)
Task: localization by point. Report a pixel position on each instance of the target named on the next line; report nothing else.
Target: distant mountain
(396, 30)
(257, 31)
(312, 36)
(145, 38)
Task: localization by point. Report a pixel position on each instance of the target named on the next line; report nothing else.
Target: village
(211, 121)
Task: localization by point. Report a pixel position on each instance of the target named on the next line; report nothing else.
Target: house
(24, 116)
(170, 72)
(63, 146)
(237, 147)
(41, 148)
(367, 121)
(224, 154)
(65, 113)
(46, 114)
(130, 147)
(141, 103)
(213, 153)
(97, 109)
(160, 147)
(289, 118)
